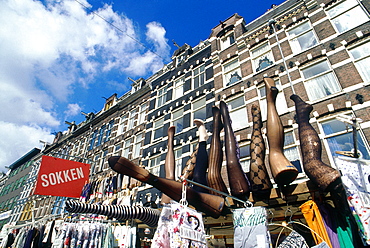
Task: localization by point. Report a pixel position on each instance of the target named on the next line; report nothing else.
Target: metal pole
(246, 203)
(354, 132)
(272, 25)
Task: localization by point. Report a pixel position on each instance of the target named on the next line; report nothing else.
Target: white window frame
(199, 76)
(142, 113)
(312, 84)
(178, 161)
(237, 113)
(298, 36)
(227, 40)
(361, 58)
(290, 146)
(131, 121)
(122, 125)
(262, 51)
(162, 96)
(157, 125)
(154, 165)
(177, 120)
(178, 87)
(281, 104)
(198, 108)
(126, 148)
(137, 145)
(349, 13)
(347, 130)
(232, 73)
(245, 159)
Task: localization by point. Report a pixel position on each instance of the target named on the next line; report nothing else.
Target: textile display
(314, 220)
(250, 228)
(329, 222)
(293, 240)
(179, 227)
(355, 178)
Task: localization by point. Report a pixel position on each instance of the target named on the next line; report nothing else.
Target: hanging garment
(250, 228)
(179, 227)
(355, 178)
(293, 240)
(330, 226)
(321, 245)
(314, 220)
(147, 215)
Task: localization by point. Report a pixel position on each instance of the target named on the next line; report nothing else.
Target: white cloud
(50, 50)
(73, 109)
(17, 140)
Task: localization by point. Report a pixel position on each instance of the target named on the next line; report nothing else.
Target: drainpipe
(271, 24)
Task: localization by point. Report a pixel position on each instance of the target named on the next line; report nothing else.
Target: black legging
(200, 169)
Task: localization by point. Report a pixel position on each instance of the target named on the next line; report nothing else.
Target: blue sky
(59, 58)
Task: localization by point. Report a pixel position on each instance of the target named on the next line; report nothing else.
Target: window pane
(350, 19)
(239, 118)
(340, 8)
(361, 51)
(322, 86)
(333, 126)
(238, 102)
(307, 40)
(344, 142)
(245, 151)
(200, 103)
(200, 114)
(316, 69)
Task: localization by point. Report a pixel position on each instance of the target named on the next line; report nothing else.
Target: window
(320, 81)
(347, 15)
(104, 163)
(142, 113)
(178, 162)
(280, 101)
(101, 135)
(158, 129)
(162, 96)
(227, 41)
(199, 76)
(180, 59)
(117, 147)
(178, 120)
(122, 125)
(97, 164)
(232, 73)
(131, 121)
(93, 138)
(178, 88)
(291, 151)
(302, 37)
(245, 157)
(238, 113)
(126, 148)
(154, 165)
(109, 130)
(199, 109)
(339, 137)
(262, 57)
(137, 145)
(361, 56)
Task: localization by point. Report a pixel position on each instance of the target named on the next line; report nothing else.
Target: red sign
(61, 177)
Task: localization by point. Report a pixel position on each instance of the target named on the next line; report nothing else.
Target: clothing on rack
(293, 240)
(314, 220)
(354, 175)
(179, 227)
(250, 228)
(147, 215)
